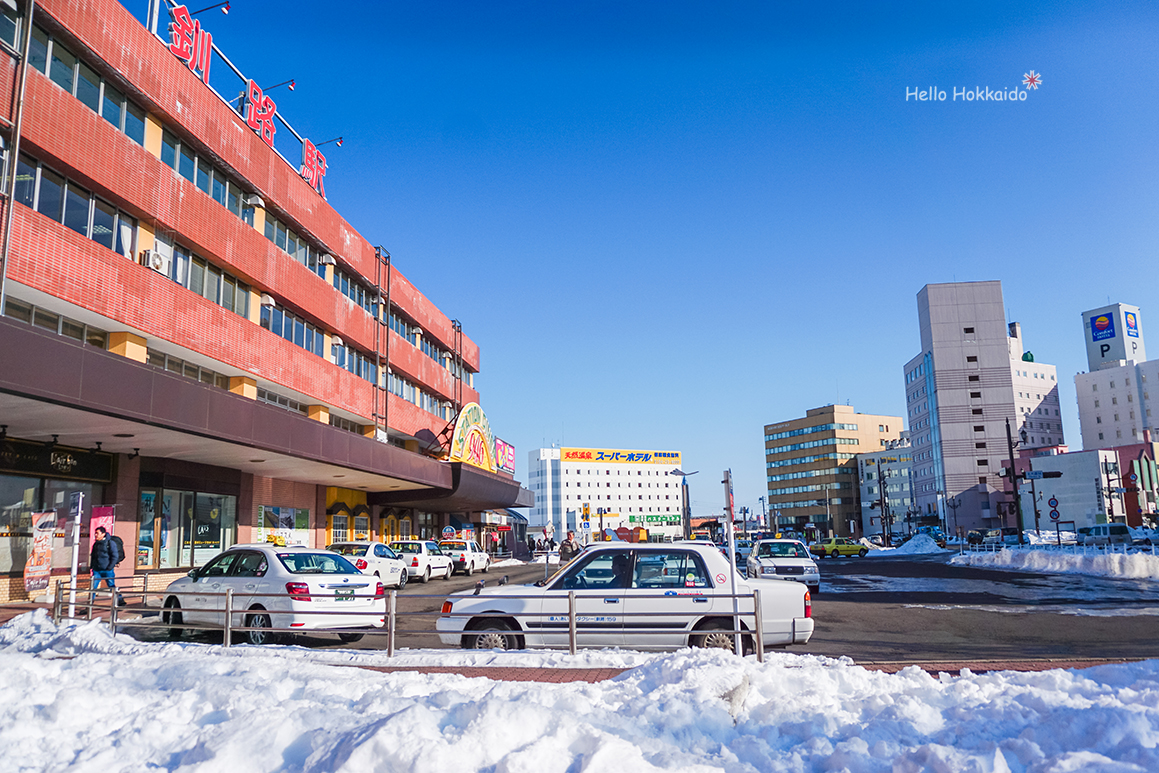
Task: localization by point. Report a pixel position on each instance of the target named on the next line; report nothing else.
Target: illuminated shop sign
(1102, 327)
(193, 45)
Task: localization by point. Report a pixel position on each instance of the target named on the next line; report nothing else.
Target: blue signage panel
(1132, 320)
(1102, 327)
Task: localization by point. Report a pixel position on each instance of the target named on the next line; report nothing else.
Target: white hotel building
(629, 488)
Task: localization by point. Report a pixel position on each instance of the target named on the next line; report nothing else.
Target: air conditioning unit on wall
(156, 261)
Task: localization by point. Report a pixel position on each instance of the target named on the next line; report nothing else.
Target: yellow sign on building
(619, 456)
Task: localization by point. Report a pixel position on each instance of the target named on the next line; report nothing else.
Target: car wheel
(486, 566)
(261, 633)
(491, 635)
(469, 568)
(426, 575)
(402, 578)
(172, 617)
(450, 571)
(862, 553)
(835, 554)
(719, 635)
(349, 638)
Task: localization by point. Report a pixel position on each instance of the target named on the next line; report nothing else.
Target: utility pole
(953, 504)
(883, 505)
(1014, 481)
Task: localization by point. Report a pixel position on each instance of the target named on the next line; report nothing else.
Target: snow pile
(1045, 537)
(508, 562)
(1137, 566)
(197, 708)
(915, 545)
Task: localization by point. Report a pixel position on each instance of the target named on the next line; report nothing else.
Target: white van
(1108, 534)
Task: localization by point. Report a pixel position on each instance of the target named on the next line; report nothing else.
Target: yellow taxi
(836, 547)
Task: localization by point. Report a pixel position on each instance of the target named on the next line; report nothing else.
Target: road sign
(1034, 474)
(1120, 490)
(1132, 477)
(448, 531)
(587, 525)
(1052, 502)
(1054, 515)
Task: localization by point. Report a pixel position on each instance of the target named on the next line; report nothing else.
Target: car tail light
(360, 564)
(380, 591)
(299, 591)
(415, 562)
(808, 605)
(463, 557)
(447, 607)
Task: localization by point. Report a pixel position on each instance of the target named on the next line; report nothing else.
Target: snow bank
(118, 705)
(918, 544)
(1137, 566)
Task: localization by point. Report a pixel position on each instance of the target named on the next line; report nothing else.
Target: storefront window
(184, 528)
(361, 527)
(22, 496)
(339, 528)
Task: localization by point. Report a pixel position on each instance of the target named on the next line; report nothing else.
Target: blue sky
(668, 224)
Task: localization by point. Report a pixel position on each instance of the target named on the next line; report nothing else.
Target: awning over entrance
(51, 385)
(471, 489)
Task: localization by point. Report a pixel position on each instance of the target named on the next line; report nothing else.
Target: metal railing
(1072, 548)
(92, 603)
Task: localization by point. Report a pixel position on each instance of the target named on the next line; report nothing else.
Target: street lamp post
(687, 507)
(1014, 481)
(953, 504)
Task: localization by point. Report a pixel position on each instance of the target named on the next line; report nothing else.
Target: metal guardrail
(1072, 548)
(104, 600)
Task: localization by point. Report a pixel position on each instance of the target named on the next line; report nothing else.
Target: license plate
(346, 594)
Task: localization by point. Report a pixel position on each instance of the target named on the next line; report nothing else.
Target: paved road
(922, 608)
(906, 609)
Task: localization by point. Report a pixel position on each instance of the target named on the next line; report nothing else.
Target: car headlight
(813, 568)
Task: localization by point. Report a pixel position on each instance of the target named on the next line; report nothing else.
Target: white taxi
(276, 587)
(423, 559)
(467, 555)
(374, 558)
(644, 596)
(784, 559)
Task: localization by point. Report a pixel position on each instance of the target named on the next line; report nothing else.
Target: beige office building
(811, 468)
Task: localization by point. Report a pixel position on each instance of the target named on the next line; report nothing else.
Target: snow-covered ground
(78, 699)
(1136, 566)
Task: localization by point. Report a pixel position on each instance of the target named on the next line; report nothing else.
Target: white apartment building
(972, 375)
(891, 467)
(626, 488)
(1084, 495)
(1114, 397)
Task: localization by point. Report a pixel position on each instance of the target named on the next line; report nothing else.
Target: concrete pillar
(129, 345)
(246, 387)
(319, 413)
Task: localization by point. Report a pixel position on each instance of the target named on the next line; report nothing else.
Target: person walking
(569, 548)
(103, 560)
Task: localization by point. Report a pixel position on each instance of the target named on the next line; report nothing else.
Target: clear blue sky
(667, 224)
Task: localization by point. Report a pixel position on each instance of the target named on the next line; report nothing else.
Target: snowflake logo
(1032, 80)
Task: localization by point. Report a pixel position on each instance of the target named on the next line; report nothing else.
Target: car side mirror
(192, 574)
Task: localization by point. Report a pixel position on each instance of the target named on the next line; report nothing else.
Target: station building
(191, 337)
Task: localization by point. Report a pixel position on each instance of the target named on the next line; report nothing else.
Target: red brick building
(191, 334)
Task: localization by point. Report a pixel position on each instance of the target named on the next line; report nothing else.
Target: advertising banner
(102, 516)
(38, 567)
(1102, 327)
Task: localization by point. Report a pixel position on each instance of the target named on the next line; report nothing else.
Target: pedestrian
(531, 544)
(551, 543)
(103, 559)
(569, 548)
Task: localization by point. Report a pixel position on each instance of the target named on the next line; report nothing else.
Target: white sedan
(645, 596)
(467, 555)
(423, 559)
(784, 559)
(374, 558)
(276, 587)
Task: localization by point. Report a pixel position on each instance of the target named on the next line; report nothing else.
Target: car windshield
(316, 563)
(407, 547)
(348, 550)
(781, 550)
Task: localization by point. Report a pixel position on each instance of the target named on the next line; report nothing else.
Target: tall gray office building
(972, 374)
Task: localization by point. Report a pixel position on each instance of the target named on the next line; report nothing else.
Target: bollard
(227, 636)
(760, 627)
(113, 612)
(56, 602)
(391, 608)
(571, 621)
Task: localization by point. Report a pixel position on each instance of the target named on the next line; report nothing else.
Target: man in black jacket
(103, 560)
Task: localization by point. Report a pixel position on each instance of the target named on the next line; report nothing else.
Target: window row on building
(64, 201)
(807, 459)
(199, 276)
(53, 322)
(841, 441)
(811, 430)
